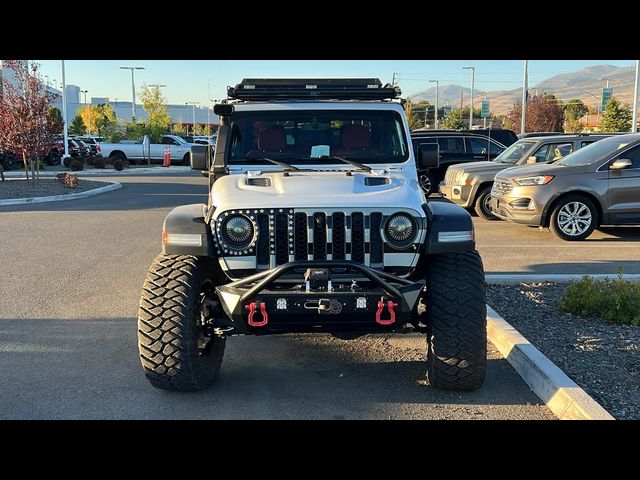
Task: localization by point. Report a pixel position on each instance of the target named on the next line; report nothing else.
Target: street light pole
(523, 119)
(193, 125)
(84, 92)
(473, 79)
(133, 91)
(634, 124)
(64, 115)
(208, 108)
(436, 114)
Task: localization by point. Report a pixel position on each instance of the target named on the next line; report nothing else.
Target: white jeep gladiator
(315, 222)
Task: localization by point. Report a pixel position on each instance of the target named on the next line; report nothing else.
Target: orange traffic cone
(167, 157)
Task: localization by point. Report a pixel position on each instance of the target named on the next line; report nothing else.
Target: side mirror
(620, 164)
(200, 156)
(223, 109)
(428, 156)
(532, 160)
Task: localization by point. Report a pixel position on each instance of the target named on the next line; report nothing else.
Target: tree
(104, 119)
(415, 113)
(575, 108)
(156, 107)
(454, 120)
(25, 122)
(179, 129)
(56, 121)
(544, 114)
(573, 125)
(616, 118)
(77, 126)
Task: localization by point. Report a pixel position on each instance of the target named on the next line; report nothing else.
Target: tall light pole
(208, 108)
(473, 80)
(64, 115)
(634, 124)
(133, 91)
(523, 119)
(193, 126)
(84, 92)
(436, 115)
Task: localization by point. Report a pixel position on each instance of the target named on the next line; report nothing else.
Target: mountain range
(585, 84)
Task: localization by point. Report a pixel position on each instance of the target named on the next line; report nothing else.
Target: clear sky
(186, 80)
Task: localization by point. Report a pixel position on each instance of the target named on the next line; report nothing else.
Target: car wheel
(425, 183)
(574, 217)
(186, 160)
(481, 205)
(53, 158)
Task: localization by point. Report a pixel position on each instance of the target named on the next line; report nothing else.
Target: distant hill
(564, 86)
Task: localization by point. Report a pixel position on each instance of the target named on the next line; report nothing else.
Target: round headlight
(237, 231)
(400, 230)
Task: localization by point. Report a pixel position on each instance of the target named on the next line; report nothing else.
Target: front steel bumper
(459, 194)
(261, 304)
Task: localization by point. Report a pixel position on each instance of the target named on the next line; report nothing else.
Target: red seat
(355, 139)
(271, 140)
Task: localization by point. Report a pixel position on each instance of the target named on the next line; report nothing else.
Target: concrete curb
(561, 394)
(108, 172)
(553, 277)
(61, 198)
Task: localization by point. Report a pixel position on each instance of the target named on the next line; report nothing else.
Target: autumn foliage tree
(544, 114)
(25, 123)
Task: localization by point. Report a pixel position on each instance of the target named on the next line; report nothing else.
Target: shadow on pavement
(609, 267)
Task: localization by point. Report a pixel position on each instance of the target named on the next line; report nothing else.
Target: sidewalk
(135, 170)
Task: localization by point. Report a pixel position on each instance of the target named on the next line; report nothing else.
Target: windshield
(367, 136)
(593, 153)
(515, 152)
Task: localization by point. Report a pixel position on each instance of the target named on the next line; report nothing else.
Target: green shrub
(98, 163)
(118, 164)
(614, 300)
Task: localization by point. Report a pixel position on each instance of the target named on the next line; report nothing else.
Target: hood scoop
(376, 181)
(258, 182)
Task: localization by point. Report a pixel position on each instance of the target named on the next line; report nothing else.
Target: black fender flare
(447, 217)
(187, 220)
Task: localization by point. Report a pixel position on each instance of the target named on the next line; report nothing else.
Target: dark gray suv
(469, 184)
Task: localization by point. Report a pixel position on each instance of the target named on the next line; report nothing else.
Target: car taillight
(98, 149)
(73, 147)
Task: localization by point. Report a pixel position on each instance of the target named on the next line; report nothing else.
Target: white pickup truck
(137, 153)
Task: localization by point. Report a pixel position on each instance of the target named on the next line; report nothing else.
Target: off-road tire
(481, 205)
(562, 202)
(456, 320)
(167, 325)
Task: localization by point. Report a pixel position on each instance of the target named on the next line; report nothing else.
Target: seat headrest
(272, 139)
(355, 136)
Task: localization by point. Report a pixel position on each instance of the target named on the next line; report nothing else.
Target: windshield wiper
(286, 165)
(346, 160)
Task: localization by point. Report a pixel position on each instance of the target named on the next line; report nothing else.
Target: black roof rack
(261, 89)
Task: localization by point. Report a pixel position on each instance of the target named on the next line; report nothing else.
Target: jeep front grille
(501, 187)
(453, 176)
(284, 235)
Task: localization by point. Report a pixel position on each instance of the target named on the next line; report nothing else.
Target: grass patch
(616, 300)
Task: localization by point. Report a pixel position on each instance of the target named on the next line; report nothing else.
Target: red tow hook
(390, 306)
(252, 307)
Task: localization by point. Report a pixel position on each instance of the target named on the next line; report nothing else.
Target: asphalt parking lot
(72, 273)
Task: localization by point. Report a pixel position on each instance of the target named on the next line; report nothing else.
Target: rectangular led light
(184, 239)
(450, 237)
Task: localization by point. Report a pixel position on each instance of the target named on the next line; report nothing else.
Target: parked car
(455, 147)
(469, 184)
(134, 152)
(83, 148)
(200, 139)
(93, 144)
(540, 134)
(597, 185)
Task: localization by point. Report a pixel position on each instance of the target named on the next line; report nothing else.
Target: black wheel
(118, 156)
(573, 217)
(53, 158)
(481, 205)
(186, 160)
(456, 321)
(9, 161)
(177, 349)
(425, 183)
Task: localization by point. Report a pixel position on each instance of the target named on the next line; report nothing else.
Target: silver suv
(469, 185)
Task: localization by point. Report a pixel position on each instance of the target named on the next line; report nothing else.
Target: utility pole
(473, 79)
(436, 113)
(64, 116)
(133, 91)
(634, 124)
(523, 120)
(208, 108)
(393, 80)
